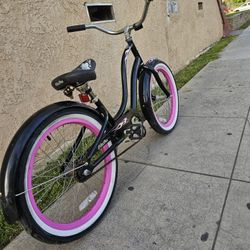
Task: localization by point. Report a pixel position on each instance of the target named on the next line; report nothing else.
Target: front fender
(14, 152)
(144, 86)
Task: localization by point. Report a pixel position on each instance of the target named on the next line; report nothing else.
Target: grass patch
(8, 232)
(232, 14)
(236, 13)
(186, 74)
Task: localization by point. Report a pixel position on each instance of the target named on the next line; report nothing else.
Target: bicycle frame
(113, 122)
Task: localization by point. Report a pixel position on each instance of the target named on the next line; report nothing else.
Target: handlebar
(82, 27)
(136, 26)
(76, 28)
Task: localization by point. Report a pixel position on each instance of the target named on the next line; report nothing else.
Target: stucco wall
(192, 30)
(34, 48)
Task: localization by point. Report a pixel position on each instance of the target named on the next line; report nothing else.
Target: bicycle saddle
(83, 73)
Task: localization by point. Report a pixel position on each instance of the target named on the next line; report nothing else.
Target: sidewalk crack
(230, 181)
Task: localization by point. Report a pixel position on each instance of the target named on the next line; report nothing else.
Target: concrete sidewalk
(191, 189)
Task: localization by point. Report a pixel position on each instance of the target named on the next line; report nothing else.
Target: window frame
(100, 4)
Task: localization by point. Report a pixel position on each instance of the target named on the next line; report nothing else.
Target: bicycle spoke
(57, 144)
(59, 196)
(45, 193)
(41, 190)
(159, 102)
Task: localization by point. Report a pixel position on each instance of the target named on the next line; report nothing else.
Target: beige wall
(34, 48)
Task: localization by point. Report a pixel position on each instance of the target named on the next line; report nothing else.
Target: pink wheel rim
(173, 99)
(104, 190)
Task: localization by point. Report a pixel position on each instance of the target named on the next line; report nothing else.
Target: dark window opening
(200, 5)
(100, 12)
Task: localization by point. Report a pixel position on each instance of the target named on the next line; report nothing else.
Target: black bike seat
(83, 73)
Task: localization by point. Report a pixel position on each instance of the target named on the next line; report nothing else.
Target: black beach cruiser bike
(60, 170)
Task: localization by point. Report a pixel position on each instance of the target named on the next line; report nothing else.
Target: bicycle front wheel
(56, 204)
(160, 106)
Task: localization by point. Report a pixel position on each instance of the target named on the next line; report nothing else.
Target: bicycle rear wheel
(56, 204)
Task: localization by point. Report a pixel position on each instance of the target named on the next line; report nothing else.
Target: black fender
(144, 86)
(14, 152)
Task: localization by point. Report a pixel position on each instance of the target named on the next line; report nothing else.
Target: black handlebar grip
(76, 28)
(138, 27)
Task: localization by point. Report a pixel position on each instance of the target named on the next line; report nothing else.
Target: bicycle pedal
(137, 132)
